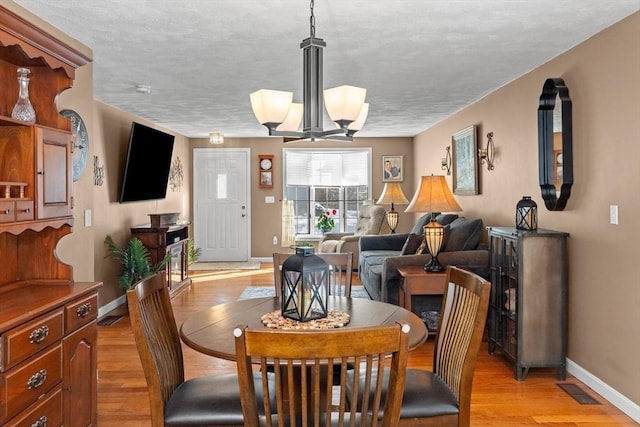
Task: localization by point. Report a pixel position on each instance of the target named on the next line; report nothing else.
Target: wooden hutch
(48, 331)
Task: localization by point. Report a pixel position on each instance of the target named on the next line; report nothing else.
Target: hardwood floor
(498, 399)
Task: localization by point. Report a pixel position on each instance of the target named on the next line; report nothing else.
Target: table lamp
(433, 195)
(391, 194)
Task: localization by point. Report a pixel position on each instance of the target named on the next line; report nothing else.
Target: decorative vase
(526, 214)
(23, 110)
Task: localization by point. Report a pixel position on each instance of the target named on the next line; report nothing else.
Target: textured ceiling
(420, 60)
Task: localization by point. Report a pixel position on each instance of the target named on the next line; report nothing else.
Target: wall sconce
(486, 154)
(216, 138)
(446, 161)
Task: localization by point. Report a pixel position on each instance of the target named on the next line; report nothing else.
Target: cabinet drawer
(23, 385)
(7, 211)
(24, 210)
(46, 412)
(21, 342)
(80, 312)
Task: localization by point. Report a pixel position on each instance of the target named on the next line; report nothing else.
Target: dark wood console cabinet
(48, 330)
(528, 305)
(165, 239)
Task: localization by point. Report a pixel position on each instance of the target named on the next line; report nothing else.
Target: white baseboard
(122, 299)
(603, 389)
(262, 259)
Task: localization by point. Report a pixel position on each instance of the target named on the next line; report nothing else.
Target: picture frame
(465, 165)
(392, 169)
(266, 179)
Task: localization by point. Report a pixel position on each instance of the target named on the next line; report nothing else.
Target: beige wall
(265, 218)
(110, 217)
(603, 77)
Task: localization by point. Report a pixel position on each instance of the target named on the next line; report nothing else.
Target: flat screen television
(146, 171)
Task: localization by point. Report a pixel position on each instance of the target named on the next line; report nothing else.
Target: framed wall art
(465, 165)
(392, 169)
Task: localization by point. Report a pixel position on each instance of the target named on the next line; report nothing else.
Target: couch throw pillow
(411, 244)
(464, 235)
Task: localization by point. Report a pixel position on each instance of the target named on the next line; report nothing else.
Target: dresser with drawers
(48, 328)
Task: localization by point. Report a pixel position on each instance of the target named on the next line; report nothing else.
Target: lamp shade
(392, 193)
(292, 122)
(344, 103)
(362, 117)
(433, 195)
(271, 106)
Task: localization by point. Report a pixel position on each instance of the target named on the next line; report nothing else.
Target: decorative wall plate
(80, 142)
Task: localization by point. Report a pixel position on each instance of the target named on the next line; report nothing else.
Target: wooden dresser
(48, 353)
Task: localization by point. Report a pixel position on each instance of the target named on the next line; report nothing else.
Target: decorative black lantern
(526, 214)
(305, 286)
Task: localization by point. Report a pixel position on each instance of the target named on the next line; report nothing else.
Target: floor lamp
(433, 195)
(392, 194)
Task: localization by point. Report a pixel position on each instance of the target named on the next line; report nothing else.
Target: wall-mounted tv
(146, 171)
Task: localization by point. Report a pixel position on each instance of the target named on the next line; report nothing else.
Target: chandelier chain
(312, 21)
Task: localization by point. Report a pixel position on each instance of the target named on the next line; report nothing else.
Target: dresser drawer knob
(42, 422)
(84, 310)
(6, 211)
(37, 379)
(39, 335)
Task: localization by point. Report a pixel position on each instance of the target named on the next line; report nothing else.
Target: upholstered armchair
(370, 220)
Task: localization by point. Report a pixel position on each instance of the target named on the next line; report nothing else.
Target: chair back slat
(340, 275)
(304, 363)
(157, 339)
(462, 321)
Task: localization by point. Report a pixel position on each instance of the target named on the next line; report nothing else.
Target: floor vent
(578, 394)
(108, 320)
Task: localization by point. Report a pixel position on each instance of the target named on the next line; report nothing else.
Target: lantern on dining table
(305, 286)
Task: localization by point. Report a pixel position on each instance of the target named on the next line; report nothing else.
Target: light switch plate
(87, 217)
(269, 199)
(613, 214)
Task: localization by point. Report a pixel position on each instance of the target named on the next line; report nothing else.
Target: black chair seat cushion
(211, 400)
(425, 395)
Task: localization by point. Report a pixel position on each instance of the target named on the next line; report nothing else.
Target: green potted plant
(193, 253)
(135, 260)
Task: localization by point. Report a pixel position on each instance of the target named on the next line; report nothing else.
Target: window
(321, 180)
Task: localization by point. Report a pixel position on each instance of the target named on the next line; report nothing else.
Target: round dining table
(211, 331)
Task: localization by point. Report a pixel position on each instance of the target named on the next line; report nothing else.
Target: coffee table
(211, 331)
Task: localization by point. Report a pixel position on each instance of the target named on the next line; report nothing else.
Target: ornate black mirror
(555, 141)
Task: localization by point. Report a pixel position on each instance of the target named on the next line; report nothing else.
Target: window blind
(327, 168)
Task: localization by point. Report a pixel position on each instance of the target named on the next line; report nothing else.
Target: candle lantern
(526, 214)
(305, 286)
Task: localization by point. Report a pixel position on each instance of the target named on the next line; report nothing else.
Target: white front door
(221, 209)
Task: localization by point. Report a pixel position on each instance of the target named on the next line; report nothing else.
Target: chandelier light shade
(345, 104)
(433, 195)
(271, 106)
(392, 194)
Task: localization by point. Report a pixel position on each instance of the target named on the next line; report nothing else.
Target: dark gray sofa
(380, 256)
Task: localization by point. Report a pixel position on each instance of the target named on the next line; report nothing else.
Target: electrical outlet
(275, 240)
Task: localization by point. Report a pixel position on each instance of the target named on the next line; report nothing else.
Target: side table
(416, 281)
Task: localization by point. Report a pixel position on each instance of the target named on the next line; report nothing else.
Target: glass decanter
(23, 110)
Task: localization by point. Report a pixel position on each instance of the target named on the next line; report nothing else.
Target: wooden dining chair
(340, 272)
(442, 397)
(303, 360)
(203, 401)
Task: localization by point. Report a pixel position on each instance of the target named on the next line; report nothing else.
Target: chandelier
(345, 104)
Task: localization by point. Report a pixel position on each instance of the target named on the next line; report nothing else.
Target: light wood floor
(498, 399)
